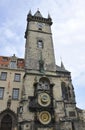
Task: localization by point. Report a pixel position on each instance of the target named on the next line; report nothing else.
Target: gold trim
(44, 99)
(44, 117)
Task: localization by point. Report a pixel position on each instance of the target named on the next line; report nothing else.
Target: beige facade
(11, 82)
(37, 95)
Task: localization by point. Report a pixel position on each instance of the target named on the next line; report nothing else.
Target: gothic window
(69, 93)
(17, 77)
(3, 75)
(72, 114)
(1, 92)
(64, 91)
(15, 94)
(40, 44)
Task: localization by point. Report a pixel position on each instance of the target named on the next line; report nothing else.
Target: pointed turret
(62, 65)
(29, 12)
(49, 17)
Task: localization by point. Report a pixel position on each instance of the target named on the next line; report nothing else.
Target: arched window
(69, 92)
(8, 120)
(44, 83)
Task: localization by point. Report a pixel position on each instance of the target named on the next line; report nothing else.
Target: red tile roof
(5, 61)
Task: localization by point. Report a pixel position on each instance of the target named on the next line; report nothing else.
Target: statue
(9, 102)
(41, 64)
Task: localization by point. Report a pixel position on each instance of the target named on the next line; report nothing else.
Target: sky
(68, 31)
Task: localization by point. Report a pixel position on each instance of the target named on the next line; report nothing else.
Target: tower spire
(62, 65)
(30, 12)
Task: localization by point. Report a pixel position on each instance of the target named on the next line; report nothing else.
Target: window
(64, 91)
(15, 94)
(72, 113)
(40, 44)
(13, 64)
(1, 92)
(5, 59)
(3, 75)
(17, 77)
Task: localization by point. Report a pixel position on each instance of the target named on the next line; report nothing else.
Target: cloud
(11, 37)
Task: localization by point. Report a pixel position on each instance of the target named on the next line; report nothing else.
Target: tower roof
(61, 70)
(38, 17)
(38, 14)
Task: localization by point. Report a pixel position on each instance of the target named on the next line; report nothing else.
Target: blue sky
(68, 34)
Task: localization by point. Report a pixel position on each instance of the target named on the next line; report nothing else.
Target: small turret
(62, 65)
(49, 17)
(29, 12)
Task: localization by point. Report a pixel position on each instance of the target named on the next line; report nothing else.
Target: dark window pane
(72, 113)
(17, 77)
(3, 75)
(1, 93)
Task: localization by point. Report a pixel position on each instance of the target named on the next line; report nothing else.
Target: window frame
(1, 93)
(40, 44)
(64, 89)
(3, 76)
(13, 65)
(15, 96)
(17, 77)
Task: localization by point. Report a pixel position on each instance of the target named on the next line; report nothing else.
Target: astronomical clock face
(44, 117)
(44, 99)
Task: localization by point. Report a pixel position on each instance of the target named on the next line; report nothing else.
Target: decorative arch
(44, 82)
(44, 79)
(8, 119)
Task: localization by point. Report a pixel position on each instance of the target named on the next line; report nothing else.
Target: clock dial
(44, 99)
(40, 26)
(44, 117)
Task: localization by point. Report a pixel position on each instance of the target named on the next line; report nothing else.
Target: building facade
(35, 93)
(11, 82)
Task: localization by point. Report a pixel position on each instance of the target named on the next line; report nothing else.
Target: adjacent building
(35, 93)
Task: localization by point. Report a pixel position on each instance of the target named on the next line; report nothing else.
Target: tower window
(40, 44)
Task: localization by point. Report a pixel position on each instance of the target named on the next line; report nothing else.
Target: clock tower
(39, 54)
(48, 100)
